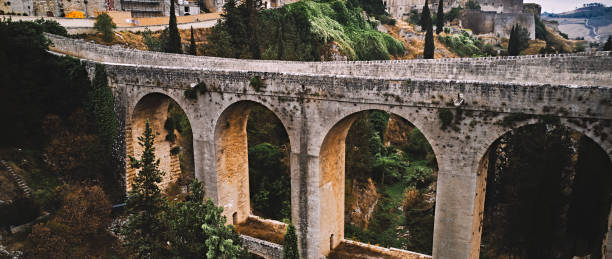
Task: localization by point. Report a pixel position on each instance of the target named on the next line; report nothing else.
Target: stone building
(499, 16)
(400, 9)
(501, 6)
(18, 7)
(55, 8)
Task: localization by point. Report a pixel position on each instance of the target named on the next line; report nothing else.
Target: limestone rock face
(362, 203)
(397, 132)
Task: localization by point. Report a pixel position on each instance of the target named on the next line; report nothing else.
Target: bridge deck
(585, 69)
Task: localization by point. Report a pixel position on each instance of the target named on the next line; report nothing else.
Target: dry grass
(135, 40)
(414, 46)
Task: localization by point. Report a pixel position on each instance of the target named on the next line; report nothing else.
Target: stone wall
(501, 6)
(534, 9)
(499, 24)
(17, 7)
(504, 22)
(262, 248)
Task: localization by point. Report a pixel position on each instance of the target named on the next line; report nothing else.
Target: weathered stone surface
(262, 248)
(317, 102)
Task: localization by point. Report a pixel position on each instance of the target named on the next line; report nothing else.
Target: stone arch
(231, 156)
(417, 116)
(332, 177)
(153, 106)
(482, 164)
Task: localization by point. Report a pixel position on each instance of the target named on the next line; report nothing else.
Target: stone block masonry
(316, 102)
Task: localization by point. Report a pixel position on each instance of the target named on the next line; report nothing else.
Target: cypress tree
(512, 42)
(425, 16)
(192, 45)
(174, 38)
(428, 52)
(290, 246)
(608, 45)
(519, 40)
(101, 104)
(440, 17)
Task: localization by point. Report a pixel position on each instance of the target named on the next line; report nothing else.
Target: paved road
(77, 26)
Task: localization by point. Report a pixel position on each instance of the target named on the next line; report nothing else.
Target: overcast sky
(559, 6)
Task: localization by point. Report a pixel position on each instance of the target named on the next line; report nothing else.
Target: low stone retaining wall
(262, 248)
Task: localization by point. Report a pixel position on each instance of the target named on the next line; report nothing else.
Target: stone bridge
(318, 101)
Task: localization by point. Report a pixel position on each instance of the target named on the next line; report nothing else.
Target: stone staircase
(18, 179)
(130, 172)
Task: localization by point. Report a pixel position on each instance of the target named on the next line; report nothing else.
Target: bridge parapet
(586, 69)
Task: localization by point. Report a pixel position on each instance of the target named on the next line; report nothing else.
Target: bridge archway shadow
(173, 141)
(253, 170)
(542, 191)
(384, 172)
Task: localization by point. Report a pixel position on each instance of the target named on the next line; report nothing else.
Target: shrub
(256, 83)
(171, 137)
(519, 40)
(472, 5)
(169, 125)
(105, 25)
(175, 150)
(190, 94)
(20, 211)
(153, 43)
(52, 27)
(463, 44)
(446, 118)
(201, 87)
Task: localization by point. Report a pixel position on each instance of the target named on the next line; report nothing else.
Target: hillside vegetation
(306, 30)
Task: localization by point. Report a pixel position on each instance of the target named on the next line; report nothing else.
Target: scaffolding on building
(144, 8)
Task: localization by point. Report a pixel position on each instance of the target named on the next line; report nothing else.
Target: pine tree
(440, 17)
(608, 45)
(145, 203)
(192, 45)
(174, 38)
(425, 16)
(187, 237)
(290, 245)
(519, 40)
(428, 52)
